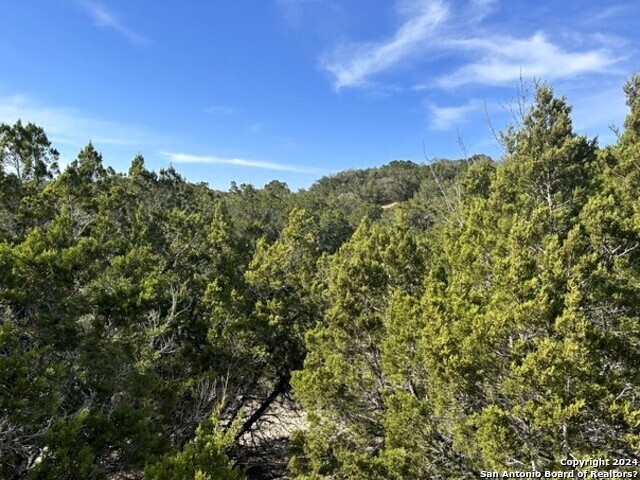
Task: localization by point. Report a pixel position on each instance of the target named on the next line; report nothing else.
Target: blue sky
(255, 90)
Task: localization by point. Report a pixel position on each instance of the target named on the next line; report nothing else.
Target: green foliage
(431, 320)
(202, 459)
(517, 347)
(342, 382)
(69, 454)
(25, 151)
(282, 277)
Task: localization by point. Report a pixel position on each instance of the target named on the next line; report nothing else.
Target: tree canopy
(424, 320)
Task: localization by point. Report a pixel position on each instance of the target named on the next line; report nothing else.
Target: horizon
(294, 90)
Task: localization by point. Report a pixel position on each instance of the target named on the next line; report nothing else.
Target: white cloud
(352, 64)
(70, 126)
(434, 29)
(505, 60)
(243, 162)
(105, 18)
(445, 118)
(611, 12)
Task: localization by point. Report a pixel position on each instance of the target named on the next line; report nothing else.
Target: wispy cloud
(446, 118)
(435, 29)
(352, 64)
(610, 12)
(242, 162)
(71, 126)
(504, 60)
(105, 18)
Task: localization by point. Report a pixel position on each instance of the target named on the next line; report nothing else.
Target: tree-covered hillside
(425, 320)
